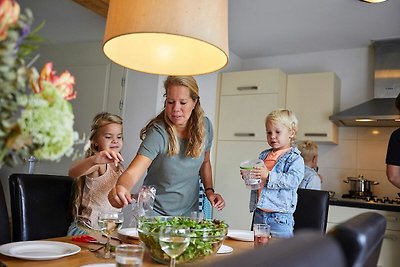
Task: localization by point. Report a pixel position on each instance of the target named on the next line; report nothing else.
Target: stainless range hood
(381, 110)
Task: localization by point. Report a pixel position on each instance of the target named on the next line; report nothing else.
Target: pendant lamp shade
(168, 37)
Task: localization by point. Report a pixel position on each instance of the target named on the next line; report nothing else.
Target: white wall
(361, 151)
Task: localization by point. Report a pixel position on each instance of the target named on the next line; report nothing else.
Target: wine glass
(174, 240)
(109, 222)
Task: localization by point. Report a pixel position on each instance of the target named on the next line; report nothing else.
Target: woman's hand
(216, 200)
(260, 172)
(119, 197)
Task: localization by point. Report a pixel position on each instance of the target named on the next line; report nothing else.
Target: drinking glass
(174, 240)
(262, 233)
(128, 255)
(109, 222)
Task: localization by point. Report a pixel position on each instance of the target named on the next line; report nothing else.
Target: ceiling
(257, 28)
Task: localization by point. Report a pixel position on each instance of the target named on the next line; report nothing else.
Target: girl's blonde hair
(196, 129)
(100, 120)
(308, 150)
(284, 117)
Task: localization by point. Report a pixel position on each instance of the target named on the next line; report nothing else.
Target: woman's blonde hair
(308, 150)
(100, 120)
(284, 117)
(195, 125)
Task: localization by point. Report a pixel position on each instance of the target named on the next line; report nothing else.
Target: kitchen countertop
(356, 203)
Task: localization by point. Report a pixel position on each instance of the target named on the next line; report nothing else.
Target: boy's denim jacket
(280, 192)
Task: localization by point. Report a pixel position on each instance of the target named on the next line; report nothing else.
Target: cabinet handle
(241, 88)
(244, 134)
(316, 134)
(391, 237)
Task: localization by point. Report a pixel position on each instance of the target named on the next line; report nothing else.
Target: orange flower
(9, 13)
(64, 83)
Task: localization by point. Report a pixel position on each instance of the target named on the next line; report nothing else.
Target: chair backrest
(5, 232)
(306, 249)
(312, 210)
(40, 205)
(361, 238)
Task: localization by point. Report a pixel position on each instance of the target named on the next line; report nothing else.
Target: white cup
(251, 182)
(129, 255)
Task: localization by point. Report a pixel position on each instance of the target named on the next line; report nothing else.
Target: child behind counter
(275, 202)
(309, 152)
(97, 174)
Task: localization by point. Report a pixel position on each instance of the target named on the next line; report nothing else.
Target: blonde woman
(175, 149)
(97, 174)
(309, 152)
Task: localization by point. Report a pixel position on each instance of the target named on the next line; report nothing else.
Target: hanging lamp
(168, 37)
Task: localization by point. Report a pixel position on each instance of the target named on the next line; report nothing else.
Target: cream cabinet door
(389, 256)
(313, 97)
(229, 183)
(253, 82)
(243, 117)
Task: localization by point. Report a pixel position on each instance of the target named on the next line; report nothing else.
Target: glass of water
(129, 255)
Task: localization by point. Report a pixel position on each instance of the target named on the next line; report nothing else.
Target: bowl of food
(206, 237)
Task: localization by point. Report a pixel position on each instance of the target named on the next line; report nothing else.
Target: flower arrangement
(35, 115)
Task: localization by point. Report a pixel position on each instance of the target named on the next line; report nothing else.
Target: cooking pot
(360, 186)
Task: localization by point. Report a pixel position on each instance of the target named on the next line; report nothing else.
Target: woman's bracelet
(209, 188)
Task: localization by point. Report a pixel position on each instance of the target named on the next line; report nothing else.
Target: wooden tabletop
(87, 257)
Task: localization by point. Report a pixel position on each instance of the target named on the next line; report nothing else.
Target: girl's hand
(119, 197)
(260, 172)
(216, 200)
(108, 156)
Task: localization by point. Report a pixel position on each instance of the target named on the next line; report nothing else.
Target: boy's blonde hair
(284, 117)
(308, 150)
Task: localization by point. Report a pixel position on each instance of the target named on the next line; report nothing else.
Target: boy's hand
(260, 172)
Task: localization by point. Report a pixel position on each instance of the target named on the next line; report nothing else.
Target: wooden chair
(361, 238)
(40, 205)
(312, 210)
(5, 232)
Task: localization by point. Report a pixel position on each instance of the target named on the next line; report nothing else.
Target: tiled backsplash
(361, 151)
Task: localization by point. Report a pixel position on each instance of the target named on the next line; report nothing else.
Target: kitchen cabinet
(244, 100)
(246, 97)
(313, 97)
(389, 256)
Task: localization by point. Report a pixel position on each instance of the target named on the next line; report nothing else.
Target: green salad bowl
(206, 237)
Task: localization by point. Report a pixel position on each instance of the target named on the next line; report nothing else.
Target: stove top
(372, 199)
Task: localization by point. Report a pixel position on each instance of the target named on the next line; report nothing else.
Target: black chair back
(5, 232)
(361, 238)
(305, 249)
(40, 205)
(312, 210)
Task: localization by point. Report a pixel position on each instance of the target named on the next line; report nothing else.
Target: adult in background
(393, 154)
(175, 148)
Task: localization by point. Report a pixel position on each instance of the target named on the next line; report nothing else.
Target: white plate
(241, 235)
(99, 265)
(39, 250)
(224, 249)
(129, 232)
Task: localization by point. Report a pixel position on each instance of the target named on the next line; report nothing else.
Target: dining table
(85, 256)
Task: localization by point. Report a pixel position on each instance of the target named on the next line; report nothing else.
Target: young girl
(276, 201)
(309, 152)
(97, 174)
